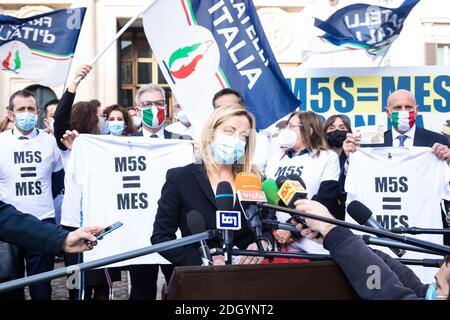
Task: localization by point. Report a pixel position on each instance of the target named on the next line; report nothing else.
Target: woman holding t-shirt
(303, 152)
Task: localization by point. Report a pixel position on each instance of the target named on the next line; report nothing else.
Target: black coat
(29, 232)
(167, 135)
(187, 188)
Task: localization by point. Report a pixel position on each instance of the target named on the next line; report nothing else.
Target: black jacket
(167, 135)
(187, 188)
(62, 117)
(354, 257)
(29, 232)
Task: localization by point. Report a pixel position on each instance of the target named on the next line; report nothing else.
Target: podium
(308, 280)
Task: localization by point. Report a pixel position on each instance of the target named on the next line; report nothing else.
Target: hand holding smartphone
(106, 231)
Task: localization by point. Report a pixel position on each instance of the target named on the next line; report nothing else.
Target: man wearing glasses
(151, 107)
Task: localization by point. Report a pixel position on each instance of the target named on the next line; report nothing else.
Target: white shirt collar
(16, 133)
(410, 133)
(148, 134)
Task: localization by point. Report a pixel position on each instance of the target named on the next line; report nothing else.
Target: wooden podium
(309, 280)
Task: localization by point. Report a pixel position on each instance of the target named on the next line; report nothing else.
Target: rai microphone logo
(228, 220)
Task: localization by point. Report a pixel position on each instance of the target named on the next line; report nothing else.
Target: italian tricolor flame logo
(12, 61)
(185, 59)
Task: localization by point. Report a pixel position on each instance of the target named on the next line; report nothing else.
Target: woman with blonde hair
(226, 148)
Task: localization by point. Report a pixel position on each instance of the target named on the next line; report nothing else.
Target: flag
(362, 26)
(205, 46)
(41, 47)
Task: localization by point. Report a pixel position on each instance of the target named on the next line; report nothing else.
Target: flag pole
(117, 36)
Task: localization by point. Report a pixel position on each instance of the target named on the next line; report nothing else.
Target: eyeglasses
(156, 103)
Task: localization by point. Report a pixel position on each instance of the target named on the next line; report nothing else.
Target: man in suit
(151, 108)
(402, 109)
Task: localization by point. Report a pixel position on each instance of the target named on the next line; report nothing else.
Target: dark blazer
(422, 138)
(167, 135)
(187, 188)
(29, 232)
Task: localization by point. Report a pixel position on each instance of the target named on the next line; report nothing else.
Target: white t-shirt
(26, 168)
(120, 179)
(313, 170)
(403, 188)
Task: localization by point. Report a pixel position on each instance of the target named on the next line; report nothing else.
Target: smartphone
(105, 231)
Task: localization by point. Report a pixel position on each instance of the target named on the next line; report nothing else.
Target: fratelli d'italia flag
(204, 46)
(41, 47)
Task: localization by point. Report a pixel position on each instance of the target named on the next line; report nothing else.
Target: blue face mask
(103, 125)
(227, 149)
(26, 121)
(431, 292)
(116, 127)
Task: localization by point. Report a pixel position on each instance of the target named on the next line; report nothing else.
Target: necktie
(154, 135)
(402, 140)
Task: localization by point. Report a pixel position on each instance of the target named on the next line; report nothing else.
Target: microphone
(270, 189)
(290, 192)
(276, 225)
(395, 244)
(363, 216)
(226, 219)
(414, 230)
(196, 224)
(249, 191)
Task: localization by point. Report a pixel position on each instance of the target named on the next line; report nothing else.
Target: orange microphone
(249, 191)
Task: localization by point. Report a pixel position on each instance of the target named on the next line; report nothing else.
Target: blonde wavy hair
(219, 116)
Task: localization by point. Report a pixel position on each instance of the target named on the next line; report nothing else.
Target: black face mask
(336, 138)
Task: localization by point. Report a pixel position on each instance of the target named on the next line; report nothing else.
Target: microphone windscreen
(296, 177)
(280, 180)
(224, 196)
(248, 181)
(195, 222)
(270, 189)
(359, 212)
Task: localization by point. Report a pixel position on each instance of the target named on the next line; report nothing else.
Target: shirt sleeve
(332, 168)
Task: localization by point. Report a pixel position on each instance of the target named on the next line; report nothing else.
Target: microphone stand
(62, 272)
(414, 230)
(444, 250)
(435, 263)
(228, 238)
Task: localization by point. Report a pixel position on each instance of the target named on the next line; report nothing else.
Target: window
(443, 55)
(138, 66)
(437, 54)
(43, 95)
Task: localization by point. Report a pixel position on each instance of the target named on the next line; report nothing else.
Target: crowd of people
(304, 145)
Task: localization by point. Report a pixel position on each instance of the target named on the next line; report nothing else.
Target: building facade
(129, 62)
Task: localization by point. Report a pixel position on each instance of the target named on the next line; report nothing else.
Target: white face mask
(287, 138)
(137, 121)
(182, 117)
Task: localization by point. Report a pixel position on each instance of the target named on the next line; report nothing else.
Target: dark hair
(226, 91)
(50, 103)
(95, 103)
(311, 130)
(333, 118)
(126, 117)
(21, 93)
(84, 118)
